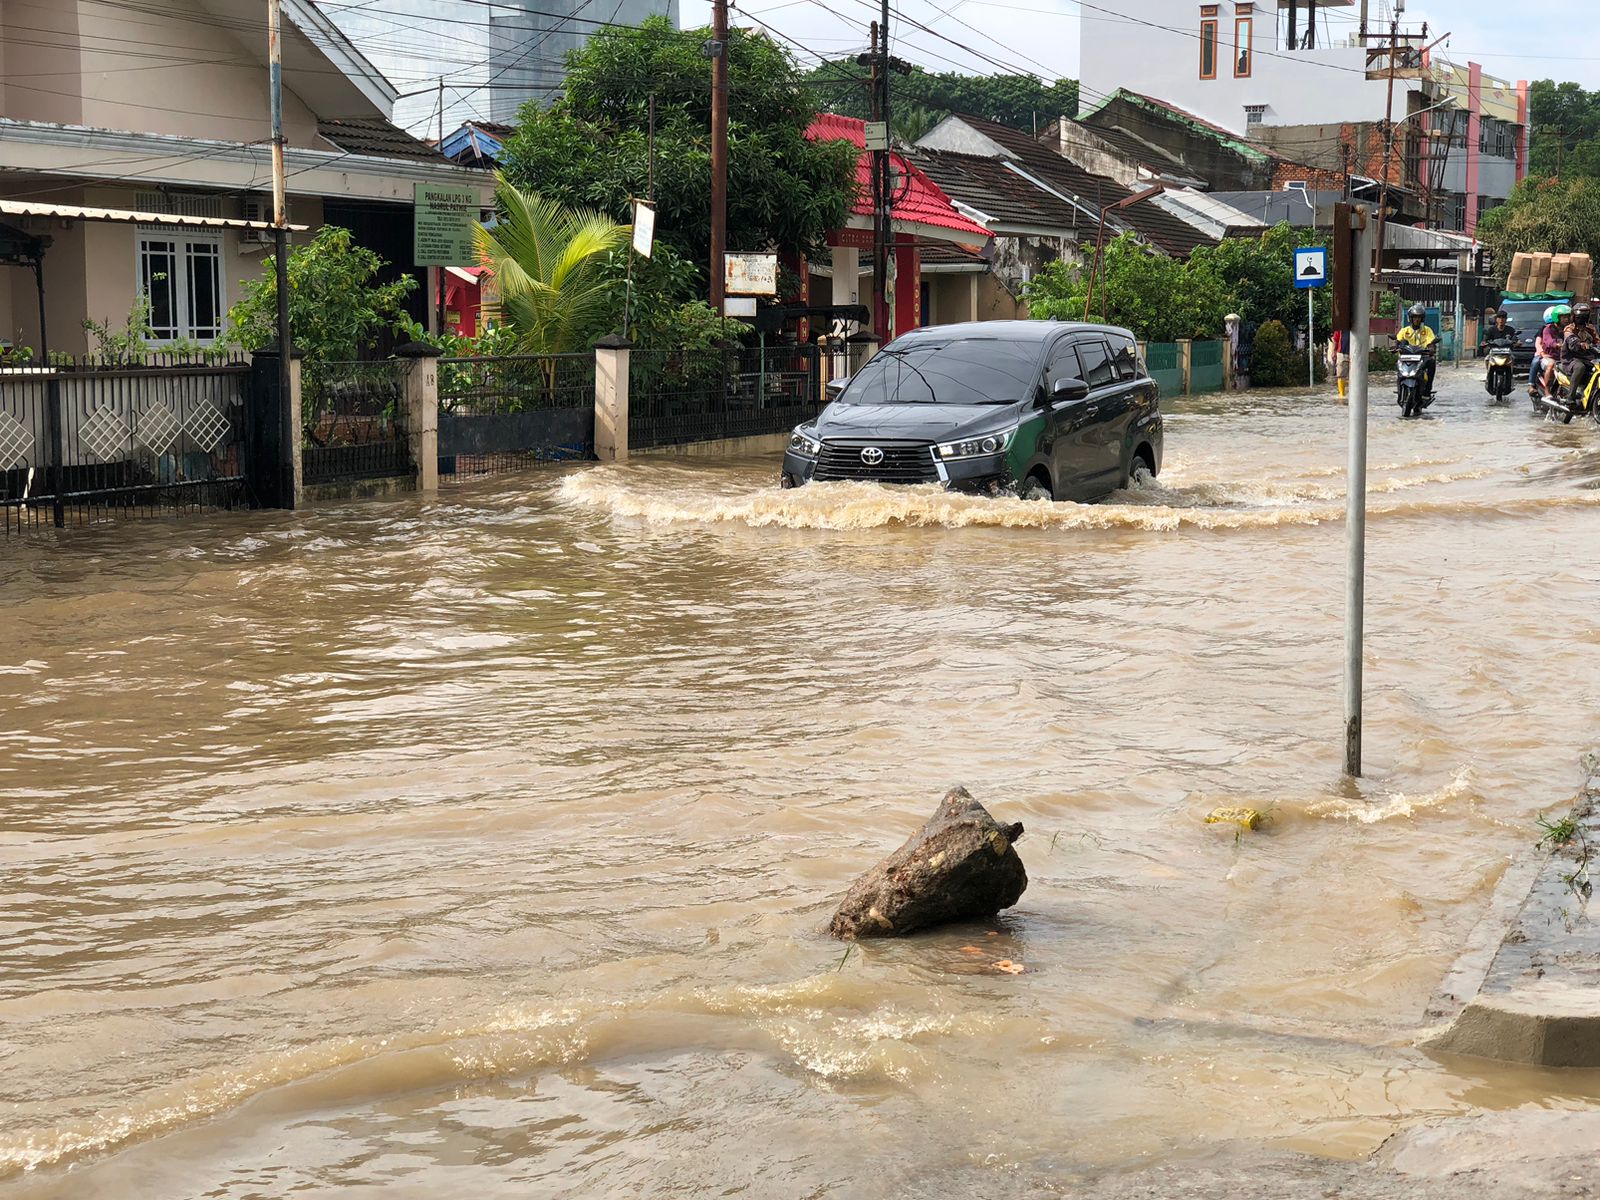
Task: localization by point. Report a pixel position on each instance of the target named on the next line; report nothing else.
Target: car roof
(1016, 331)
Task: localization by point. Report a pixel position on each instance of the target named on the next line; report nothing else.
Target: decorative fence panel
(352, 423)
(508, 412)
(81, 442)
(682, 396)
(1205, 366)
(1162, 360)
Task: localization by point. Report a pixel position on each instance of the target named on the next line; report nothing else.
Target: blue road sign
(1311, 267)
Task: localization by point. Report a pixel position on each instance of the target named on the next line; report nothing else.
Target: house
(91, 122)
(922, 216)
(477, 144)
(1277, 76)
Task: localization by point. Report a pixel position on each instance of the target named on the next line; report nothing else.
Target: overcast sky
(1041, 36)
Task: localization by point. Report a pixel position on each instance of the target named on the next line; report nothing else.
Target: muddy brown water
(481, 847)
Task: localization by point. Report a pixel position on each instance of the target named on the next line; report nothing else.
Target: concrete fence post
(611, 360)
(273, 433)
(419, 401)
(1186, 363)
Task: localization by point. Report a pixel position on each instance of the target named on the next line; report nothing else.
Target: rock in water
(960, 866)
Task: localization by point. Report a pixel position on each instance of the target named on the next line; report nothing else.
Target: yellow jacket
(1420, 338)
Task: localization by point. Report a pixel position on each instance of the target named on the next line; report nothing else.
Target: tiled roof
(1162, 229)
(948, 254)
(373, 137)
(1136, 149)
(994, 189)
(920, 201)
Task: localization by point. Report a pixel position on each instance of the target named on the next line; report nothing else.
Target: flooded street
(482, 846)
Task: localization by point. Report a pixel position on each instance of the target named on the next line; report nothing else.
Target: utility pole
(439, 273)
(290, 427)
(718, 50)
(1389, 146)
(885, 165)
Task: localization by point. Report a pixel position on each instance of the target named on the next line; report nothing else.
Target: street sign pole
(1360, 268)
(1310, 273)
(1311, 338)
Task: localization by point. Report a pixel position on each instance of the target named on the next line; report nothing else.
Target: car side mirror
(1069, 389)
(837, 386)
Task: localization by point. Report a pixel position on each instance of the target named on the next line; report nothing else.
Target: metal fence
(81, 441)
(1161, 360)
(351, 421)
(508, 412)
(1205, 366)
(680, 396)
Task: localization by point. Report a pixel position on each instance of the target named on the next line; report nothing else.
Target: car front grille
(903, 462)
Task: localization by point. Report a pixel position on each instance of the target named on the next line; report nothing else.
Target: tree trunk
(960, 866)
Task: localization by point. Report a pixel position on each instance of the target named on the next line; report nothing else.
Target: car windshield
(958, 371)
(1527, 317)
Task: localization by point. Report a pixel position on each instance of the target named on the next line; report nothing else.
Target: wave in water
(855, 506)
(1360, 810)
(830, 1025)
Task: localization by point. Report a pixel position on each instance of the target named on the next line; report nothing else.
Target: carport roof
(78, 212)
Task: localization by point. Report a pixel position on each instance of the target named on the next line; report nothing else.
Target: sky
(1041, 36)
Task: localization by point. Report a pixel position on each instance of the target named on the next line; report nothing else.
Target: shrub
(1272, 358)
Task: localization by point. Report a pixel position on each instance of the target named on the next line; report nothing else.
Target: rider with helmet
(1580, 348)
(1424, 340)
(1547, 350)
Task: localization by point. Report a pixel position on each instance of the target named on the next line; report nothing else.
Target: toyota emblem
(872, 456)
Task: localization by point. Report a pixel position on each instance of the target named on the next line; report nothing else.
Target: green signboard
(445, 217)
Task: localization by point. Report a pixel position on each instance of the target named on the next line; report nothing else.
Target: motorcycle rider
(1579, 349)
(1423, 340)
(1501, 333)
(1547, 350)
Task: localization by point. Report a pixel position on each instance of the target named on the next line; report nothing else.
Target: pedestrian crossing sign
(1311, 267)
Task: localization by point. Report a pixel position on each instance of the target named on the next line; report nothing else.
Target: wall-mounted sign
(445, 217)
(750, 274)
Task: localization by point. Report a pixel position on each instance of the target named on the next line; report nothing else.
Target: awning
(76, 212)
(465, 274)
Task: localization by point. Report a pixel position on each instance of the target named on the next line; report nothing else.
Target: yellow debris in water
(1244, 818)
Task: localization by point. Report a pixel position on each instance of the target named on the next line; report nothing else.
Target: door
(1104, 418)
(1067, 424)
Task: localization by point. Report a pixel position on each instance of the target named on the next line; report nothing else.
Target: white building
(1232, 62)
(491, 57)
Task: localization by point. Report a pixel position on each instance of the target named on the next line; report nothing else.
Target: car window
(1124, 356)
(928, 369)
(1063, 364)
(1096, 360)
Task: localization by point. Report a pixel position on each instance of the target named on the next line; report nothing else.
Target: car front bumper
(986, 474)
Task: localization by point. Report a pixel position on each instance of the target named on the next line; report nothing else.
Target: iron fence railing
(506, 412)
(682, 396)
(82, 442)
(352, 423)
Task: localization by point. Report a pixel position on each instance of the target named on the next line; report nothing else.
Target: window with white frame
(181, 272)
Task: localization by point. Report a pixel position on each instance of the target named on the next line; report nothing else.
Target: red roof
(921, 201)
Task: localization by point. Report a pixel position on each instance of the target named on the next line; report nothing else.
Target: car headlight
(977, 447)
(805, 447)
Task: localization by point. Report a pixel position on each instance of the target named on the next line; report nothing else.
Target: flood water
(482, 846)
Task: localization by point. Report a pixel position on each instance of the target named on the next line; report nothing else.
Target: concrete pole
(422, 411)
(719, 154)
(1361, 240)
(289, 484)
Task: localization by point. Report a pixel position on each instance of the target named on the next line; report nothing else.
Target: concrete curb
(1537, 1000)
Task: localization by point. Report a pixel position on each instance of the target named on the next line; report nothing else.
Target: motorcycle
(1408, 383)
(1499, 379)
(1562, 405)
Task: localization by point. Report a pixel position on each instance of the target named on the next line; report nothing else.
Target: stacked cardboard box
(1532, 274)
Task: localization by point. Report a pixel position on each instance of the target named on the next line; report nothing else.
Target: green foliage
(1544, 215)
(1149, 293)
(130, 344)
(1022, 101)
(1162, 299)
(336, 309)
(548, 261)
(1272, 361)
(1566, 130)
(590, 149)
(1381, 360)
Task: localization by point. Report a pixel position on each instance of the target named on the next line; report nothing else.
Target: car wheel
(1139, 473)
(1034, 491)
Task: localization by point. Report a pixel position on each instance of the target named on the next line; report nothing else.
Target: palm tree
(547, 260)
